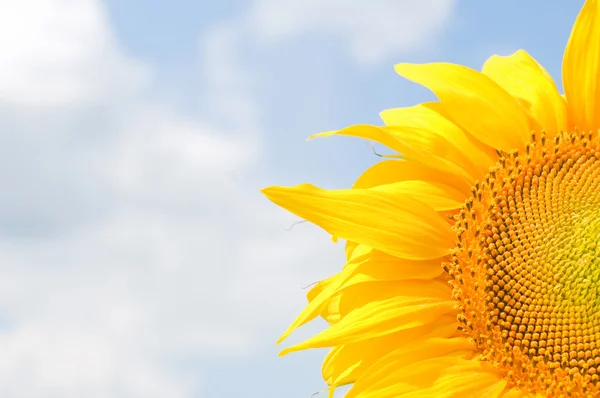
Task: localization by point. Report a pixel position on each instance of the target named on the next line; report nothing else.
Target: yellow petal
(482, 154)
(414, 368)
(413, 144)
(354, 295)
(379, 266)
(378, 318)
(367, 132)
(420, 142)
(440, 196)
(318, 297)
(472, 384)
(371, 266)
(320, 286)
(515, 393)
(581, 73)
(350, 248)
(444, 138)
(526, 80)
(345, 363)
(475, 102)
(312, 295)
(379, 217)
(390, 171)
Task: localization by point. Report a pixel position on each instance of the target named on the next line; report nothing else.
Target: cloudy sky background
(137, 258)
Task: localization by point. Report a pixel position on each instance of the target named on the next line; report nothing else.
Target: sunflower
(473, 255)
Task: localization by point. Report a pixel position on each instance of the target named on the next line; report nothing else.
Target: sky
(137, 256)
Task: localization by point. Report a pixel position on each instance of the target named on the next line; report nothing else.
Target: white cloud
(227, 79)
(132, 238)
(195, 154)
(372, 30)
(66, 40)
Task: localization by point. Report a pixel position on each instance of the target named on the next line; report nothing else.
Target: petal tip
(402, 68)
(283, 353)
(268, 191)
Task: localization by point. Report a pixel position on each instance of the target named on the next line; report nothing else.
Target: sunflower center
(526, 268)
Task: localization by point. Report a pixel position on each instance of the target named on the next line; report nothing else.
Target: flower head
(473, 256)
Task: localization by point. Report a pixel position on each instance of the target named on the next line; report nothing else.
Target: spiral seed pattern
(526, 267)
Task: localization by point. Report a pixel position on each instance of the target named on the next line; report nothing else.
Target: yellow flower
(473, 258)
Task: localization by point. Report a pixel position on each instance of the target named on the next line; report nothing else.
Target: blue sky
(137, 257)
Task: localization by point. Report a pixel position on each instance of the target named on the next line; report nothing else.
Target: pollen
(525, 271)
